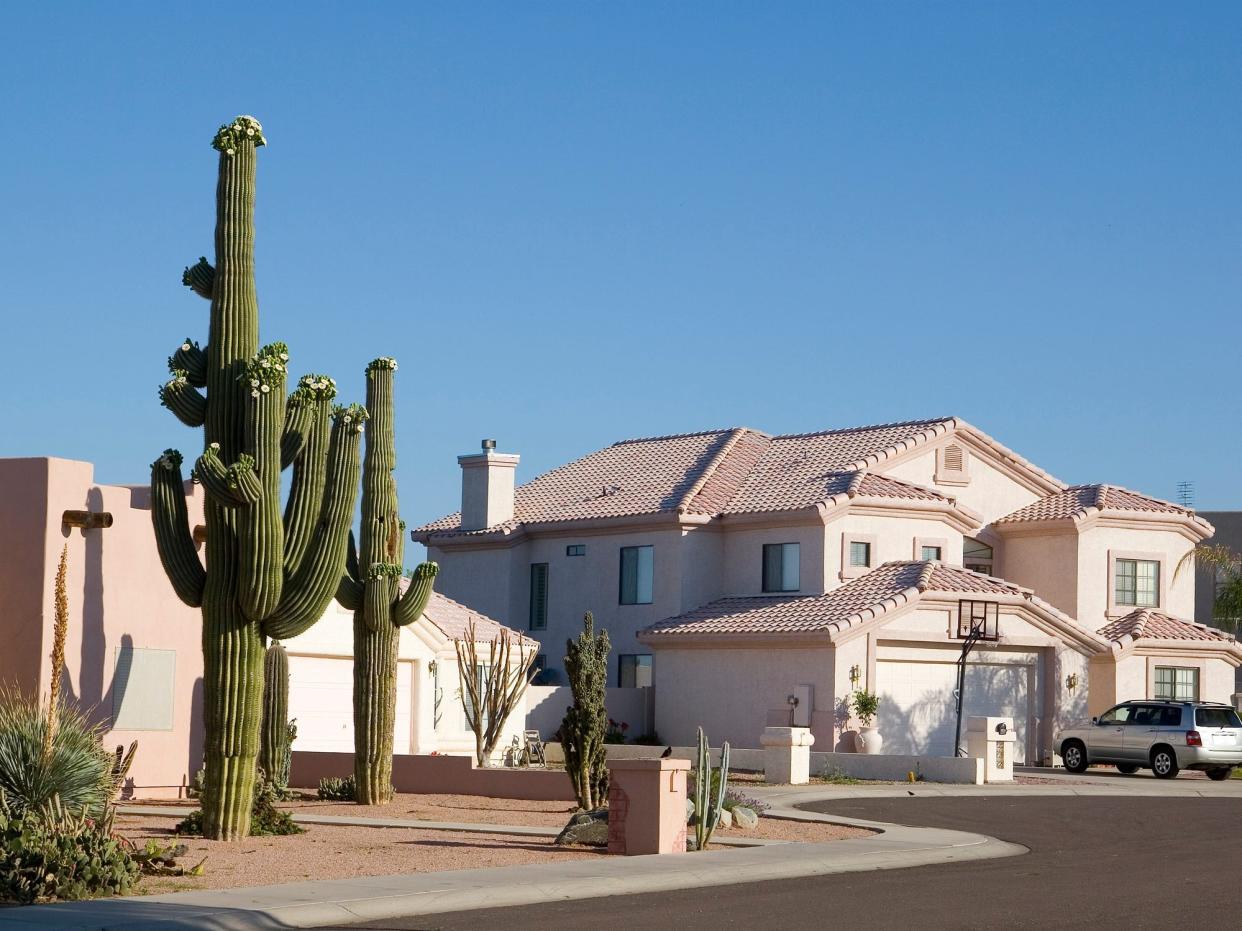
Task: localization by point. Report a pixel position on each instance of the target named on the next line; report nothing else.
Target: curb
(347, 901)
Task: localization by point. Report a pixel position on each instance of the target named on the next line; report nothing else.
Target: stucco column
(647, 806)
(787, 754)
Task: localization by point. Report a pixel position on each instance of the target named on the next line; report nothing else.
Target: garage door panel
(917, 712)
(321, 699)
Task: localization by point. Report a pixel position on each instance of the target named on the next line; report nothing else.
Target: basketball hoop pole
(972, 638)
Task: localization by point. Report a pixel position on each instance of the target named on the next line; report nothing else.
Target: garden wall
(440, 775)
(546, 704)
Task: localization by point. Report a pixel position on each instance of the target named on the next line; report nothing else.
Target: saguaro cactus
(264, 577)
(586, 720)
(274, 737)
(373, 593)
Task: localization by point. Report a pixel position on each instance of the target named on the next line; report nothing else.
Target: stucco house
(134, 655)
(734, 569)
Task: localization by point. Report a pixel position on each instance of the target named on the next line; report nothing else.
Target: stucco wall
(735, 694)
(743, 556)
(120, 604)
(894, 540)
(1046, 563)
(990, 491)
(1177, 596)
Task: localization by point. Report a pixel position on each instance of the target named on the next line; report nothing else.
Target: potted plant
(866, 704)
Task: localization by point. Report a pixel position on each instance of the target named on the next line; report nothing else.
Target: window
(1177, 683)
(977, 556)
(929, 553)
(538, 596)
(637, 574)
(1137, 582)
(1119, 715)
(1217, 717)
(781, 567)
(634, 670)
(860, 553)
(575, 549)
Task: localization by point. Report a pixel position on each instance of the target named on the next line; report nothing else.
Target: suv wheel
(1127, 769)
(1223, 772)
(1074, 756)
(1164, 763)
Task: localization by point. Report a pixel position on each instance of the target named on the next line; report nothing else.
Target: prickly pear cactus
(264, 575)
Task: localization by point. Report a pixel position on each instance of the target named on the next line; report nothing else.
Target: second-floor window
(637, 574)
(930, 553)
(538, 596)
(1137, 583)
(860, 554)
(780, 567)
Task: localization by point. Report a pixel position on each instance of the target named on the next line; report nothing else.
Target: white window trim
(1172, 663)
(1162, 577)
(920, 542)
(945, 476)
(853, 572)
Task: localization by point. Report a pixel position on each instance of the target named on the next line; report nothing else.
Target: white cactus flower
(265, 389)
(229, 151)
(347, 418)
(254, 394)
(215, 445)
(185, 347)
(254, 383)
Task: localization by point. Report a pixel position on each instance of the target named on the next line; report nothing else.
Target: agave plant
(76, 769)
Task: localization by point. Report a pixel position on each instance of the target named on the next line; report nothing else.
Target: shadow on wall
(195, 761)
(927, 726)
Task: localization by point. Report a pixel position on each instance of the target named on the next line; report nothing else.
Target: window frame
(847, 540)
(622, 657)
(1118, 609)
(780, 587)
(570, 549)
(921, 543)
(530, 618)
(1196, 680)
(638, 587)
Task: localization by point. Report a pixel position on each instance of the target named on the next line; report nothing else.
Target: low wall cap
(671, 764)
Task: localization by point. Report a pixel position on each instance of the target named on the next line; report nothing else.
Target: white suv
(1163, 736)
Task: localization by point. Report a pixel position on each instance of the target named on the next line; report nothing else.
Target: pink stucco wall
(119, 602)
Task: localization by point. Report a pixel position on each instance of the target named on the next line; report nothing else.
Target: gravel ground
(447, 808)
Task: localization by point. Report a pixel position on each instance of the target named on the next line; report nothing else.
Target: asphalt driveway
(1105, 862)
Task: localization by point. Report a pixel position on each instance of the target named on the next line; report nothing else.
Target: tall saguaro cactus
(265, 577)
(370, 588)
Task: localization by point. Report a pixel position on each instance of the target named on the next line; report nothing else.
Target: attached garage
(918, 707)
(321, 700)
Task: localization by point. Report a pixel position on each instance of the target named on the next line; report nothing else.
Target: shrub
(649, 740)
(334, 789)
(50, 854)
(265, 818)
(76, 768)
(615, 734)
(733, 796)
(866, 704)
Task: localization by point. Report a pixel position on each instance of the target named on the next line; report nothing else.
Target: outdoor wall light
(433, 667)
(1071, 681)
(855, 676)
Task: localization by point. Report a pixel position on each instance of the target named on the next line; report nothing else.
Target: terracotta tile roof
(452, 618)
(1145, 624)
(717, 472)
(1083, 500)
(878, 591)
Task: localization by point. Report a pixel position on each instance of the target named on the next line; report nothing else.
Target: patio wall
(546, 704)
(440, 775)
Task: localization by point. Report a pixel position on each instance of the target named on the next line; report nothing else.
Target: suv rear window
(1217, 717)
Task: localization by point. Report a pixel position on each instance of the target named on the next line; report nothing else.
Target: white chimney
(486, 487)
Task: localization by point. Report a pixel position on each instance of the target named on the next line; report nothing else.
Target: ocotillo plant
(264, 576)
(373, 593)
(274, 737)
(586, 720)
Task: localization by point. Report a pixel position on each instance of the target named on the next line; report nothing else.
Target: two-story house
(738, 571)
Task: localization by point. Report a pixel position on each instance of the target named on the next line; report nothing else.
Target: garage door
(917, 712)
(321, 698)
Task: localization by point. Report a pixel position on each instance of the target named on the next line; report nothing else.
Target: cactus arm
(191, 360)
(306, 594)
(229, 486)
(299, 417)
(273, 738)
(172, 529)
(200, 278)
(349, 590)
(184, 400)
(261, 541)
(412, 604)
(310, 469)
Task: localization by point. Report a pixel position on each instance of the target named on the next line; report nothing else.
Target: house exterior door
(917, 712)
(321, 699)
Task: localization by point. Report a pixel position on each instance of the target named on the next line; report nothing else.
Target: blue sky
(578, 223)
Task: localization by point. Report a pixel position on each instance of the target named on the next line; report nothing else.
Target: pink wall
(119, 601)
(440, 775)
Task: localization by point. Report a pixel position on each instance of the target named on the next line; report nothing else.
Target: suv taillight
(1193, 739)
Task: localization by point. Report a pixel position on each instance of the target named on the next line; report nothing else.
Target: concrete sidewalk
(345, 901)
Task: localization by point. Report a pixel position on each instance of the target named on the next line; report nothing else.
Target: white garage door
(321, 698)
(917, 711)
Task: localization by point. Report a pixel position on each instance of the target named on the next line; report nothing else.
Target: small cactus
(708, 799)
(274, 737)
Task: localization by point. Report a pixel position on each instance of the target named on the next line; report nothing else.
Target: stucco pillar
(787, 754)
(647, 806)
(992, 740)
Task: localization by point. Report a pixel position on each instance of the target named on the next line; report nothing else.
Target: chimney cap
(489, 444)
